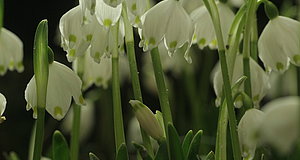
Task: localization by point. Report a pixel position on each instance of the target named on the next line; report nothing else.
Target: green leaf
(162, 153)
(11, 156)
(174, 144)
(60, 150)
(210, 156)
(93, 156)
(194, 146)
(186, 142)
(143, 152)
(122, 153)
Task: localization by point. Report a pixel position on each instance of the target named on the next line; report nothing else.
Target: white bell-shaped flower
(63, 84)
(247, 131)
(259, 80)
(94, 73)
(136, 9)
(204, 34)
(75, 35)
(11, 52)
(167, 21)
(113, 3)
(280, 125)
(2, 104)
(107, 15)
(279, 44)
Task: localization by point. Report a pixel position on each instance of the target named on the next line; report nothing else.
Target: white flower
(113, 3)
(247, 130)
(279, 44)
(11, 52)
(107, 15)
(2, 104)
(63, 84)
(280, 125)
(75, 35)
(204, 34)
(169, 21)
(259, 80)
(136, 8)
(98, 73)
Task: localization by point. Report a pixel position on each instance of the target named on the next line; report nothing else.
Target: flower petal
(106, 15)
(2, 104)
(113, 3)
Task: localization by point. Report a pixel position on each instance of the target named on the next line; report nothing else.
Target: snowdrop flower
(11, 52)
(204, 34)
(2, 107)
(92, 72)
(247, 130)
(167, 21)
(75, 35)
(63, 84)
(259, 80)
(279, 44)
(107, 15)
(280, 125)
(136, 8)
(113, 3)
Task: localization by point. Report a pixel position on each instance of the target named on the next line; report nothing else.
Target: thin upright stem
(221, 141)
(129, 40)
(254, 39)
(74, 145)
(117, 109)
(161, 86)
(39, 133)
(1, 13)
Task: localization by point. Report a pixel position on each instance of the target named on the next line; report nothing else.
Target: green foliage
(122, 153)
(60, 149)
(93, 156)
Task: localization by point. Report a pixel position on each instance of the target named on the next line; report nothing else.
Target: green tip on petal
(279, 66)
(57, 111)
(152, 41)
(271, 10)
(296, 59)
(133, 7)
(136, 105)
(107, 22)
(89, 37)
(72, 38)
(81, 100)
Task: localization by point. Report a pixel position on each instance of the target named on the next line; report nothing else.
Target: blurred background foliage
(191, 93)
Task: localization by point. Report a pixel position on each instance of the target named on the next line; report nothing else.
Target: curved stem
(117, 109)
(74, 145)
(129, 40)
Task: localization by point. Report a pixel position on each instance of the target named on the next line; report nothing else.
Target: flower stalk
(1, 13)
(213, 10)
(117, 109)
(129, 41)
(41, 71)
(74, 145)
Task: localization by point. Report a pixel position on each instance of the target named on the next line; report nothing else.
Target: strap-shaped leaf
(122, 153)
(194, 146)
(186, 142)
(60, 149)
(174, 144)
(142, 150)
(93, 156)
(210, 156)
(162, 153)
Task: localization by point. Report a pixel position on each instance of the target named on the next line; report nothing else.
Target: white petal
(247, 131)
(113, 3)
(236, 3)
(204, 30)
(11, 52)
(2, 104)
(89, 5)
(191, 5)
(280, 127)
(106, 15)
(99, 43)
(76, 36)
(153, 27)
(137, 7)
(63, 84)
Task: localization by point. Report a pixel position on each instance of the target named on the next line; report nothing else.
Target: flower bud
(271, 10)
(147, 120)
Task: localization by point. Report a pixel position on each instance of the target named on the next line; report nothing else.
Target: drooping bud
(271, 10)
(40, 61)
(147, 120)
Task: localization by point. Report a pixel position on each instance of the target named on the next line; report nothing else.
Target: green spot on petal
(93, 6)
(2, 69)
(11, 65)
(152, 41)
(296, 58)
(99, 80)
(89, 37)
(107, 22)
(173, 44)
(133, 7)
(81, 100)
(202, 41)
(72, 52)
(279, 66)
(57, 111)
(214, 42)
(256, 98)
(72, 38)
(137, 20)
(20, 67)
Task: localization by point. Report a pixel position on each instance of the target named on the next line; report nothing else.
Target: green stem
(74, 145)
(250, 17)
(254, 39)
(117, 109)
(161, 86)
(213, 10)
(129, 40)
(221, 142)
(1, 13)
(39, 133)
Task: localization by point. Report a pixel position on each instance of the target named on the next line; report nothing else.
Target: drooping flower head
(2, 107)
(136, 9)
(167, 21)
